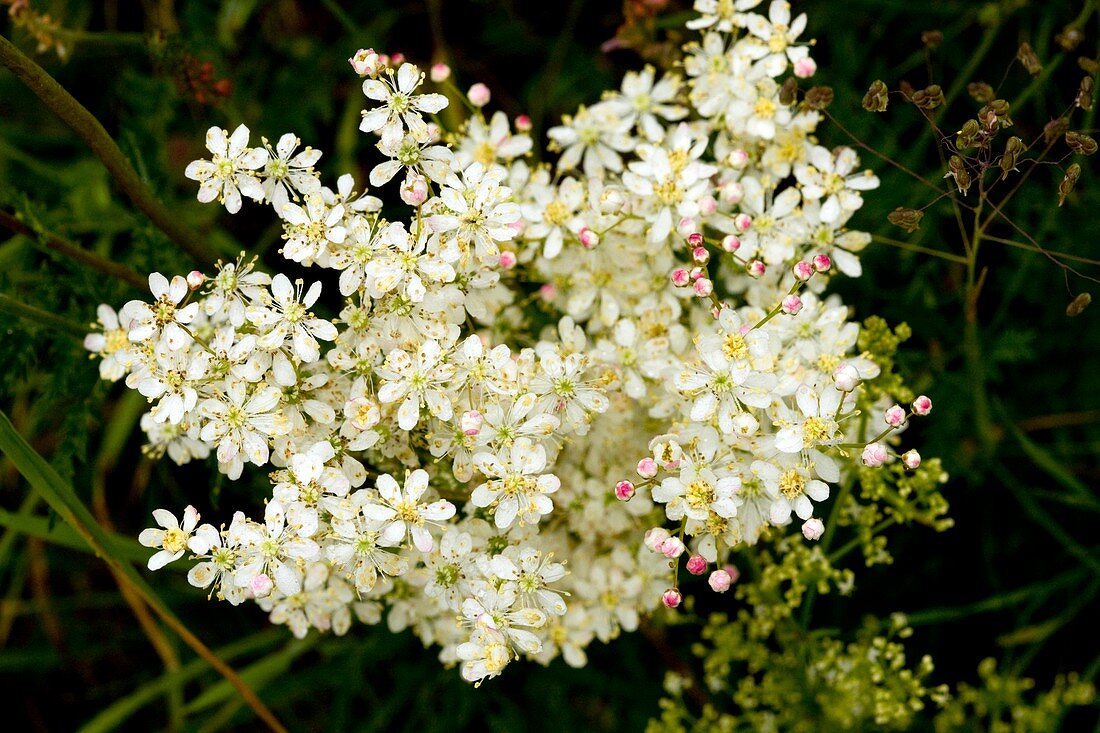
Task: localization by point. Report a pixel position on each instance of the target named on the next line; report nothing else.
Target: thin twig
(89, 129)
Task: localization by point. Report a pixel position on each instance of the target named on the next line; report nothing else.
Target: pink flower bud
(874, 455)
(471, 422)
(700, 255)
(397, 59)
(756, 268)
(707, 205)
(742, 222)
(730, 243)
(813, 528)
(647, 467)
(846, 377)
(703, 287)
(589, 238)
(720, 581)
(479, 95)
(365, 62)
(805, 67)
(737, 158)
(686, 226)
(922, 406)
(507, 260)
(791, 305)
(414, 190)
(548, 292)
(822, 263)
(440, 72)
(696, 273)
(695, 239)
(672, 547)
(911, 459)
(697, 565)
(803, 270)
(624, 491)
(895, 415)
(672, 598)
(654, 537)
(523, 123)
(195, 279)
(261, 585)
(733, 572)
(681, 278)
(732, 192)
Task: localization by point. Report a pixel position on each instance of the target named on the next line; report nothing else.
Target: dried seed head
(1080, 143)
(980, 91)
(788, 93)
(819, 98)
(1069, 39)
(928, 98)
(969, 136)
(1078, 304)
(931, 39)
(1084, 94)
(1067, 184)
(957, 170)
(876, 98)
(1055, 129)
(1013, 149)
(1087, 65)
(907, 219)
(1026, 56)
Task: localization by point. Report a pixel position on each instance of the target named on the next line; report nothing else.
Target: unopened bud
(440, 73)
(895, 415)
(700, 255)
(813, 528)
(261, 585)
(804, 68)
(719, 581)
(624, 491)
(672, 547)
(822, 263)
(846, 377)
(589, 238)
(791, 305)
(672, 598)
(523, 123)
(697, 565)
(507, 260)
(874, 455)
(365, 62)
(707, 205)
(647, 467)
(471, 422)
(742, 222)
(611, 200)
(803, 270)
(414, 190)
(654, 537)
(695, 239)
(756, 268)
(737, 158)
(911, 459)
(732, 192)
(479, 95)
(703, 287)
(681, 278)
(922, 406)
(731, 243)
(686, 226)
(195, 279)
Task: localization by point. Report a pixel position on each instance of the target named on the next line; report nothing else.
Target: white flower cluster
(445, 446)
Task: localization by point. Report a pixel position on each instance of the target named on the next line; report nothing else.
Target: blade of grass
(62, 535)
(61, 497)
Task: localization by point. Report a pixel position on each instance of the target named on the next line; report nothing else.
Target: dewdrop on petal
(672, 598)
(720, 581)
(895, 415)
(813, 528)
(440, 72)
(874, 455)
(624, 491)
(911, 459)
(846, 377)
(696, 565)
(479, 95)
(922, 406)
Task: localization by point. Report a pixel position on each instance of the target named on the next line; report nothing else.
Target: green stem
(40, 317)
(89, 129)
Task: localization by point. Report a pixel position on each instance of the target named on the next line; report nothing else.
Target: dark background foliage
(1016, 578)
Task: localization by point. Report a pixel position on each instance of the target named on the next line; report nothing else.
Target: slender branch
(89, 129)
(41, 317)
(918, 248)
(73, 252)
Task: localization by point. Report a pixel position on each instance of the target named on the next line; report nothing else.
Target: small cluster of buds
(875, 453)
(803, 271)
(368, 62)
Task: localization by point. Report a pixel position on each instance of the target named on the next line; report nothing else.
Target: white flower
(517, 485)
(289, 316)
(274, 548)
(416, 383)
(287, 173)
(401, 511)
(832, 177)
(402, 264)
(644, 103)
(164, 319)
(790, 487)
(172, 538)
(229, 174)
(399, 104)
(695, 493)
(240, 423)
(478, 213)
(597, 135)
(309, 230)
(111, 343)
